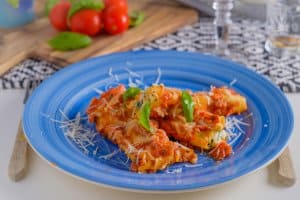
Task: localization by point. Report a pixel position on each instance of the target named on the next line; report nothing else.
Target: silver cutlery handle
(18, 160)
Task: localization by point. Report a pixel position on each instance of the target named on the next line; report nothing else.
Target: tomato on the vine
(86, 21)
(58, 15)
(121, 4)
(115, 20)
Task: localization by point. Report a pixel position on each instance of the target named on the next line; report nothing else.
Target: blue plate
(58, 105)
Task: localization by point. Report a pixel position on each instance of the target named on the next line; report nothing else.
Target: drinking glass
(11, 16)
(283, 27)
(222, 24)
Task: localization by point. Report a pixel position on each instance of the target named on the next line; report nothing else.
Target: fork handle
(286, 172)
(18, 160)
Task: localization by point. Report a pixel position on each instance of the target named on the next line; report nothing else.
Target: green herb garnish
(131, 92)
(66, 41)
(188, 106)
(136, 18)
(84, 4)
(144, 116)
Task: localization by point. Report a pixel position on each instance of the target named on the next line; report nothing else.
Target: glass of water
(15, 15)
(283, 27)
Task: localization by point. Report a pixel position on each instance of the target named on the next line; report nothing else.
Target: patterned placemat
(246, 44)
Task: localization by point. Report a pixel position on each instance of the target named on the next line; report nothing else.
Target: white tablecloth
(46, 183)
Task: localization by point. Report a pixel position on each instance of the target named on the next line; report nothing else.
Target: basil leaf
(49, 5)
(188, 106)
(136, 18)
(66, 41)
(84, 4)
(13, 3)
(144, 116)
(131, 92)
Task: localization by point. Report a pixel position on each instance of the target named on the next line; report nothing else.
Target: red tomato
(115, 21)
(58, 15)
(121, 4)
(86, 21)
(221, 151)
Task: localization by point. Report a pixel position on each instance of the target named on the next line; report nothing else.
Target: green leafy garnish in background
(131, 92)
(84, 4)
(49, 5)
(136, 18)
(188, 106)
(66, 41)
(144, 116)
(13, 3)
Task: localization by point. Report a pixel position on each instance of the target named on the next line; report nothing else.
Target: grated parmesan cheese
(173, 171)
(85, 138)
(98, 91)
(233, 82)
(233, 126)
(90, 142)
(156, 82)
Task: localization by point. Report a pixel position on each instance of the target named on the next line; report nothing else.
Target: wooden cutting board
(162, 17)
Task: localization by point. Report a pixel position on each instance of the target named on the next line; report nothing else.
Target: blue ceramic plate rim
(130, 181)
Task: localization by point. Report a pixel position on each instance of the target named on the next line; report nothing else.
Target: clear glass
(222, 24)
(283, 27)
(13, 17)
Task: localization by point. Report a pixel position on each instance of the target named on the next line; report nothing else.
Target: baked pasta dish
(160, 126)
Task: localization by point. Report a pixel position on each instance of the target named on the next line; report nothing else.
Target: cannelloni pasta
(160, 126)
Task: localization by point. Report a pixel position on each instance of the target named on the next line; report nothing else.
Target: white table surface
(44, 182)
